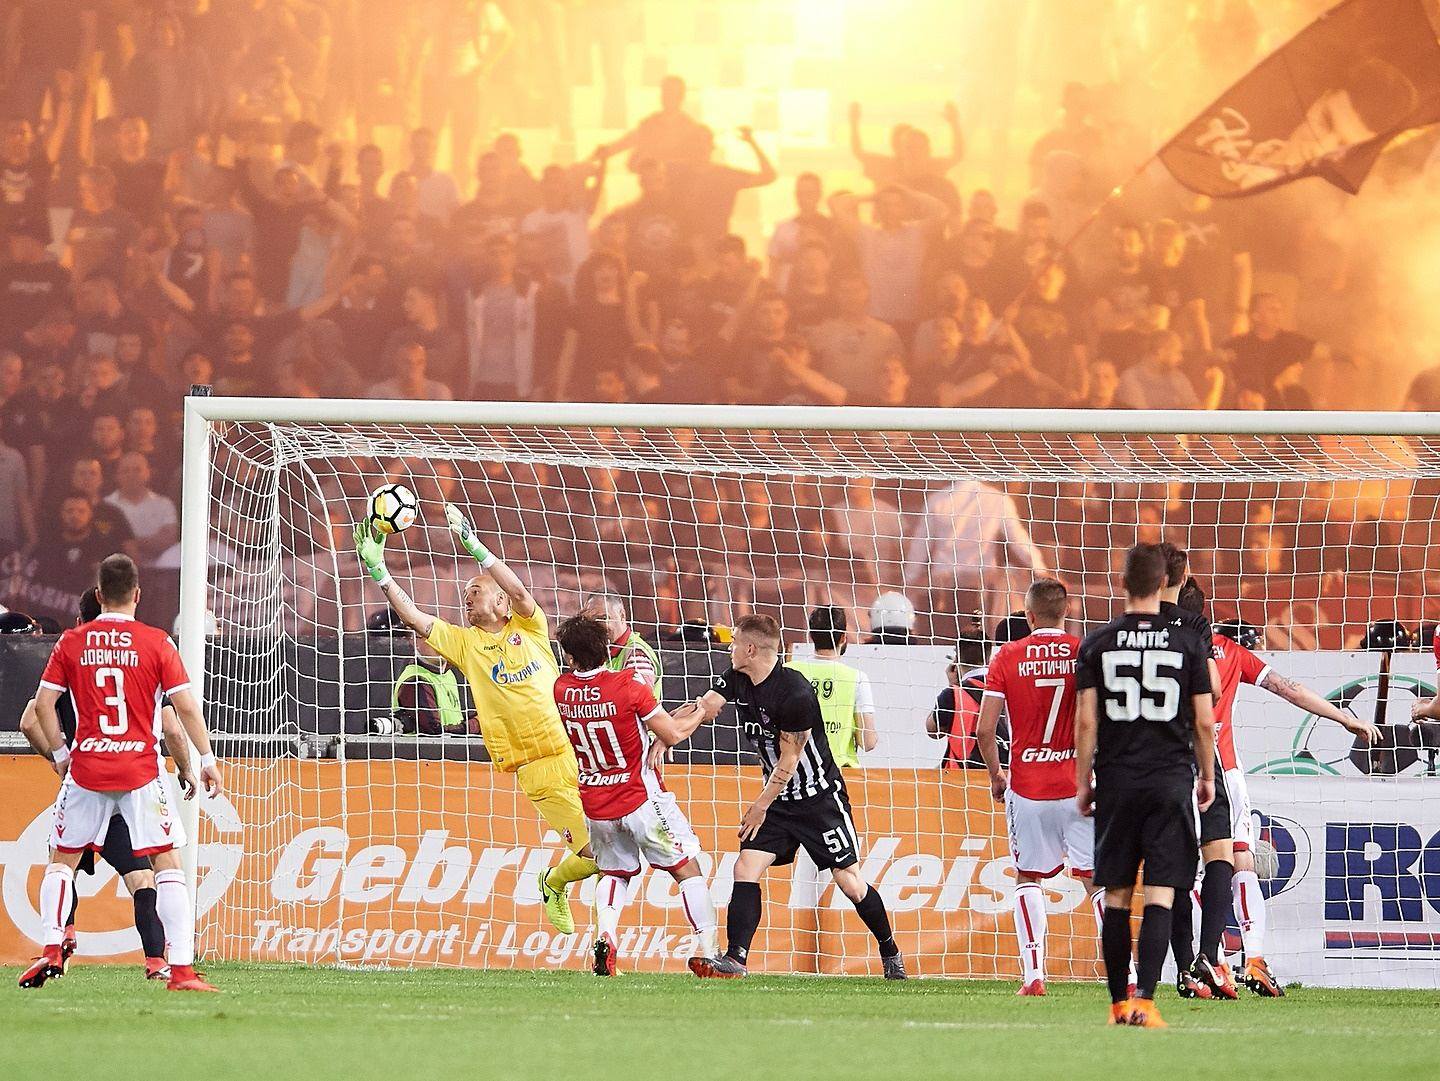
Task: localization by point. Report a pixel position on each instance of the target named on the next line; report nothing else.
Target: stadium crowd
(179, 206)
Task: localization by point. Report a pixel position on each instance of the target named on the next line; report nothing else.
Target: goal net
(365, 825)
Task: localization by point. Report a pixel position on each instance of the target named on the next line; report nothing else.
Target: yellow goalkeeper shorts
(553, 786)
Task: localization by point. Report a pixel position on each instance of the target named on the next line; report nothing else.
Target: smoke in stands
(640, 201)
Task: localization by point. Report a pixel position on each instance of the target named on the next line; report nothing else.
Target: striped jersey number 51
(1138, 688)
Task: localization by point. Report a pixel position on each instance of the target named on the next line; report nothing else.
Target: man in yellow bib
(846, 702)
(507, 660)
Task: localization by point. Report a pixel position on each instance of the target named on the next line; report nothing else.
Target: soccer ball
(393, 508)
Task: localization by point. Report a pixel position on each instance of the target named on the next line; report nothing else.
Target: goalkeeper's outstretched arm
(521, 601)
(370, 547)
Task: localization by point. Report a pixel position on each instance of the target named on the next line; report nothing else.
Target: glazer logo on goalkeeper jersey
(520, 675)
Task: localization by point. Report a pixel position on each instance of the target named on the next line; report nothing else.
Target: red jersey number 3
(117, 671)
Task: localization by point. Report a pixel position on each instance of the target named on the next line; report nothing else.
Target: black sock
(742, 919)
(74, 904)
(1215, 904)
(1182, 931)
(1154, 944)
(147, 922)
(1115, 948)
(872, 910)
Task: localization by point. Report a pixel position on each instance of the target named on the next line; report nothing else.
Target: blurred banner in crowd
(1326, 104)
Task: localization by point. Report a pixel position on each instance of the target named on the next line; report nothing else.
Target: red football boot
(185, 978)
(68, 946)
(49, 965)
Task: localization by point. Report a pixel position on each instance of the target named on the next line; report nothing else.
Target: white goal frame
(203, 413)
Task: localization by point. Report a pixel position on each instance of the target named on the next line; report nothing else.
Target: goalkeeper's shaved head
(485, 600)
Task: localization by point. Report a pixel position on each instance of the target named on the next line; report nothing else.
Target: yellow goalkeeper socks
(571, 869)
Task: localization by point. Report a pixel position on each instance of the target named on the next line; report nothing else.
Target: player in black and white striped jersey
(803, 804)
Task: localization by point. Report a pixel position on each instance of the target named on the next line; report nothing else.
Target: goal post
(345, 841)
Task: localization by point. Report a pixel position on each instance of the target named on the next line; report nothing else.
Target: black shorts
(821, 825)
(1154, 825)
(1215, 822)
(116, 851)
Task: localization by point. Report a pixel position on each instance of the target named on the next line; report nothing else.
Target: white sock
(700, 911)
(609, 900)
(56, 890)
(1249, 911)
(1030, 930)
(172, 905)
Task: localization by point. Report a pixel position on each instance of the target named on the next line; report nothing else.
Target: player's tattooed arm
(1299, 695)
(422, 623)
(792, 746)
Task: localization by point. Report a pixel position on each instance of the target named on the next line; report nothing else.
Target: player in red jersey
(1033, 680)
(1238, 665)
(609, 717)
(118, 671)
(135, 871)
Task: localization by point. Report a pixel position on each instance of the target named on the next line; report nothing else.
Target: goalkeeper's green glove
(468, 540)
(370, 547)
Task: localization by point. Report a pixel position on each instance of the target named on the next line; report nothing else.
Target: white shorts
(1242, 829)
(1046, 834)
(81, 818)
(655, 830)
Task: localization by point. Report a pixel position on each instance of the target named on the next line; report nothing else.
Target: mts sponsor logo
(323, 864)
(1379, 873)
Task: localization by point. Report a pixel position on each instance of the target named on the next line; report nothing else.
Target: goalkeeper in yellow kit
(507, 660)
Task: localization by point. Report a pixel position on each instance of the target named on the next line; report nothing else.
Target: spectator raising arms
(328, 197)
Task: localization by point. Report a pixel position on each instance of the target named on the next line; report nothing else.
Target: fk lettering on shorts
(1035, 678)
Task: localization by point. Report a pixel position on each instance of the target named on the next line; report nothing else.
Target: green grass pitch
(278, 1023)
